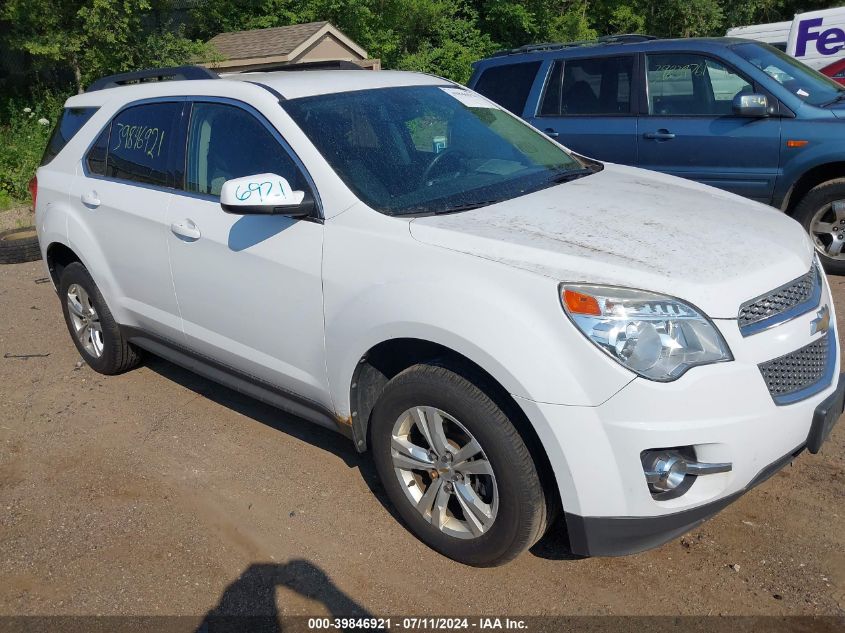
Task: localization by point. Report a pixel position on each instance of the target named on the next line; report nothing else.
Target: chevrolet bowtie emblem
(822, 321)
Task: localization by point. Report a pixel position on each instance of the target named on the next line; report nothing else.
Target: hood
(641, 229)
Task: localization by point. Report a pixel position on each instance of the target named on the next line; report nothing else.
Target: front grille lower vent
(793, 373)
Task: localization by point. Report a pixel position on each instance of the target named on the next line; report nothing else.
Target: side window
(226, 142)
(594, 87)
(508, 85)
(141, 143)
(71, 121)
(96, 158)
(550, 105)
(684, 84)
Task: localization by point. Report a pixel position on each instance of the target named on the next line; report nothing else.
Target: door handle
(186, 229)
(90, 199)
(550, 132)
(660, 135)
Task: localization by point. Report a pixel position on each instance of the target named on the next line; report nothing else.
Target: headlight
(656, 336)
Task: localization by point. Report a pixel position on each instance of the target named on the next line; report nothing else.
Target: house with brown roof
(314, 42)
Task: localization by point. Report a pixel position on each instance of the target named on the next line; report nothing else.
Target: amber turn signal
(580, 303)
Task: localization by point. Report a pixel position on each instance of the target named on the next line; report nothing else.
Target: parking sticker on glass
(469, 99)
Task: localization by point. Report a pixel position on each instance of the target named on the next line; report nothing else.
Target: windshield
(808, 84)
(429, 149)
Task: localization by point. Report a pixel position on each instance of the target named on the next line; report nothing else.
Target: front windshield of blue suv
(802, 81)
(430, 149)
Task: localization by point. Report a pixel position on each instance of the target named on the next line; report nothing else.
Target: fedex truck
(817, 38)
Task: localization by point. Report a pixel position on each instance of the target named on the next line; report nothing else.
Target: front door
(249, 287)
(690, 129)
(586, 105)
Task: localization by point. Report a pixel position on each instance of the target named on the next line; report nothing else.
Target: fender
(506, 320)
(818, 152)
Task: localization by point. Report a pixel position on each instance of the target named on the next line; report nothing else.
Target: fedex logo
(827, 42)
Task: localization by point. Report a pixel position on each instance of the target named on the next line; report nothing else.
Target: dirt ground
(159, 492)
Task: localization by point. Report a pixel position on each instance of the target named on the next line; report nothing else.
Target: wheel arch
(58, 256)
(810, 179)
(390, 357)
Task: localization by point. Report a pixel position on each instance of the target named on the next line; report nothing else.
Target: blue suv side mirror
(751, 105)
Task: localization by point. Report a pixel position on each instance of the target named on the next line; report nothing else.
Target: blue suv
(731, 113)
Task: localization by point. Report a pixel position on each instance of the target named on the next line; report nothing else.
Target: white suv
(514, 331)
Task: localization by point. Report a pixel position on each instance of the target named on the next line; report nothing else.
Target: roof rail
(330, 64)
(627, 38)
(152, 74)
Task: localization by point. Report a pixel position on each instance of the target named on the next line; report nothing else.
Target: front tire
(91, 324)
(455, 467)
(822, 214)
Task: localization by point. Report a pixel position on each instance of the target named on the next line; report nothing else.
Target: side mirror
(264, 194)
(751, 105)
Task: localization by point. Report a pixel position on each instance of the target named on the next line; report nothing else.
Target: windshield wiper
(836, 99)
(467, 207)
(572, 174)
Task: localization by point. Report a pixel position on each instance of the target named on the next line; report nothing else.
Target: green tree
(97, 37)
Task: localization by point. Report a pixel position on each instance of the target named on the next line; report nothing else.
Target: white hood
(636, 228)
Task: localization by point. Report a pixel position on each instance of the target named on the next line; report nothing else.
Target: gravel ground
(158, 492)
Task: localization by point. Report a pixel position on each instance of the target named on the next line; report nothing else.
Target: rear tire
(91, 324)
(497, 482)
(19, 245)
(822, 214)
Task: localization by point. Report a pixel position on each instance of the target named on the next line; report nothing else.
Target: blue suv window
(508, 85)
(589, 87)
(692, 85)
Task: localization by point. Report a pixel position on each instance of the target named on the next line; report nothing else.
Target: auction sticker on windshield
(469, 99)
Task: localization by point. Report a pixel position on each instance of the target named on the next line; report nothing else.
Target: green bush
(25, 127)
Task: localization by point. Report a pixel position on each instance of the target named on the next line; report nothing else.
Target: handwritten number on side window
(141, 138)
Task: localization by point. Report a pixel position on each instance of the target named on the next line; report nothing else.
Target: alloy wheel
(828, 229)
(85, 320)
(444, 472)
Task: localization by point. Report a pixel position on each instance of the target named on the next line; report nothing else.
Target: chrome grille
(792, 373)
(790, 300)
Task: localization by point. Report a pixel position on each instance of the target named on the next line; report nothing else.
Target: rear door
(587, 104)
(688, 128)
(123, 193)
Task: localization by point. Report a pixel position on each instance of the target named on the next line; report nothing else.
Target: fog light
(671, 471)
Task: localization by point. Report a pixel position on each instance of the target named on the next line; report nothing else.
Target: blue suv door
(587, 104)
(688, 128)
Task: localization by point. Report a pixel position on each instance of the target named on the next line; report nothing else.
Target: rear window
(508, 85)
(70, 122)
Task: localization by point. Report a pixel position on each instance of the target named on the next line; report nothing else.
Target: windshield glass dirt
(429, 149)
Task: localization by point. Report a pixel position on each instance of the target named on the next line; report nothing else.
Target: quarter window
(141, 143)
(96, 157)
(589, 87)
(683, 84)
(70, 122)
(508, 85)
(226, 142)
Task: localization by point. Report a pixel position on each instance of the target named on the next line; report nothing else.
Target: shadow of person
(249, 603)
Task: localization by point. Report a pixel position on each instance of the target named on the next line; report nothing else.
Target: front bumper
(620, 535)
